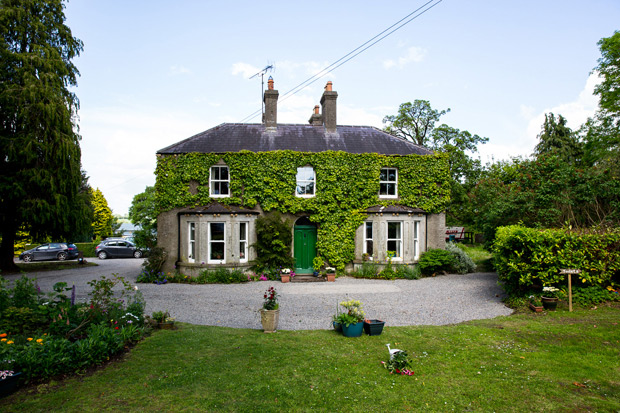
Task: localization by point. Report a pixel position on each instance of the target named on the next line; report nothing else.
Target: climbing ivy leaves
(346, 184)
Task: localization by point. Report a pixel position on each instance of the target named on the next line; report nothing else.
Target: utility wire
(352, 53)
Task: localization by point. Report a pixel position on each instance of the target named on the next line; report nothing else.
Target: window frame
(191, 242)
(368, 225)
(400, 249)
(389, 182)
(417, 225)
(243, 242)
(210, 242)
(307, 181)
(219, 181)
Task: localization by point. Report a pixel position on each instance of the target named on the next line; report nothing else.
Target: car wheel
(61, 256)
(102, 255)
(137, 254)
(27, 258)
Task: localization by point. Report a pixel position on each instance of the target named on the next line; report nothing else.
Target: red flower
(116, 328)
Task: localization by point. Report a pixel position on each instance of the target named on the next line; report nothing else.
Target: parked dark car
(117, 248)
(51, 251)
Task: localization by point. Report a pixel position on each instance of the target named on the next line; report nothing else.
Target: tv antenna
(262, 85)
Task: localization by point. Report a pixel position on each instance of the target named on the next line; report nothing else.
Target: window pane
(305, 174)
(217, 231)
(394, 246)
(242, 250)
(217, 250)
(394, 230)
(416, 225)
(243, 231)
(310, 189)
(383, 175)
(301, 190)
(369, 249)
(224, 173)
(224, 188)
(215, 173)
(392, 175)
(369, 230)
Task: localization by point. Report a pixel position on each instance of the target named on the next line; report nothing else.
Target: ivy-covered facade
(350, 192)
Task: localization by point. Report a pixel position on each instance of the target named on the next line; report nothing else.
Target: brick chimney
(328, 104)
(316, 119)
(270, 118)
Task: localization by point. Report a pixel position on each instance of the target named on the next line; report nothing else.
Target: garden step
(303, 278)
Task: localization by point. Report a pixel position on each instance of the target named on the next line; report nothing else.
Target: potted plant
(286, 275)
(536, 304)
(317, 263)
(270, 313)
(352, 320)
(550, 298)
(163, 319)
(330, 272)
(373, 327)
(9, 380)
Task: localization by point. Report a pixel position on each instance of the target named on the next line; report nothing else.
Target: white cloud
(575, 112)
(179, 70)
(413, 54)
(245, 69)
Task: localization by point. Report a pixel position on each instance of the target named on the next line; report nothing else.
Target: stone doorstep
(307, 278)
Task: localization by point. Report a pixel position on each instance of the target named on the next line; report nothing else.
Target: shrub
(155, 260)
(593, 295)
(273, 243)
(525, 257)
(462, 262)
(221, 276)
(435, 260)
(410, 272)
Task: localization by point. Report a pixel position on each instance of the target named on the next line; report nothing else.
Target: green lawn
(481, 257)
(527, 362)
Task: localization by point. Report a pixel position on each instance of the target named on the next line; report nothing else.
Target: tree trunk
(7, 248)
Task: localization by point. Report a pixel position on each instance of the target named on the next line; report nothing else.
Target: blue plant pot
(353, 330)
(10, 384)
(337, 326)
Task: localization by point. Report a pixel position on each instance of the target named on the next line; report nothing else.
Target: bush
(221, 276)
(593, 295)
(273, 243)
(434, 261)
(526, 257)
(462, 262)
(155, 260)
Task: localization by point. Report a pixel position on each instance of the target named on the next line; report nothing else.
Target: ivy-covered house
(350, 192)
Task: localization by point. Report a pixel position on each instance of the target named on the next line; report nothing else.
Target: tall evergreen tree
(558, 139)
(103, 221)
(40, 156)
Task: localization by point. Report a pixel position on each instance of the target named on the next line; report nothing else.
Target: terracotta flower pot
(331, 277)
(285, 278)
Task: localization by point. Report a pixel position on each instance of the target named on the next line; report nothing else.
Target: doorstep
(307, 278)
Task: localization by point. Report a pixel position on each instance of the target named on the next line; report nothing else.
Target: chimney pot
(270, 83)
(328, 86)
(316, 109)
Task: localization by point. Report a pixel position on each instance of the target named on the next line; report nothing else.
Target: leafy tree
(103, 221)
(609, 69)
(557, 138)
(143, 213)
(414, 122)
(273, 242)
(40, 174)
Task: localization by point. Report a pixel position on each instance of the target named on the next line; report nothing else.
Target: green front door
(305, 248)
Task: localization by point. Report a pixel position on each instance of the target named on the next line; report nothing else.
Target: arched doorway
(304, 245)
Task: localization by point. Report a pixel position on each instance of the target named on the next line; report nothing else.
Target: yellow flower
(9, 342)
(4, 339)
(29, 339)
(40, 340)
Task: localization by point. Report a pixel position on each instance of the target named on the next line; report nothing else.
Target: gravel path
(439, 300)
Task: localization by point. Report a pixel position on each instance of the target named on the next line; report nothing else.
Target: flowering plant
(550, 292)
(399, 363)
(330, 270)
(354, 313)
(271, 299)
(535, 301)
(285, 271)
(5, 373)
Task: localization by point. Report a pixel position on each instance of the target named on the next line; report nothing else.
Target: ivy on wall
(346, 185)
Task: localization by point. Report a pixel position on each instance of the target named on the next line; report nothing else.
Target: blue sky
(154, 73)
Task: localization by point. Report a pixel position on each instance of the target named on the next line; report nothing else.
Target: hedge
(526, 257)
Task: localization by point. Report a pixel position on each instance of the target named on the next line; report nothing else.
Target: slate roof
(235, 137)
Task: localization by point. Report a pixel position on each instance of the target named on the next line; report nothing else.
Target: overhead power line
(355, 52)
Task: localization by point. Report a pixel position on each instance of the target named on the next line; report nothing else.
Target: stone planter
(269, 319)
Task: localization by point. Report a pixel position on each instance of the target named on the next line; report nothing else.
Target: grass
(481, 257)
(51, 266)
(557, 361)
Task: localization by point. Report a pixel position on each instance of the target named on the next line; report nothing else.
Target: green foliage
(593, 295)
(25, 293)
(414, 122)
(352, 313)
(347, 184)
(609, 69)
(557, 138)
(525, 257)
(271, 299)
(20, 320)
(273, 242)
(143, 213)
(221, 276)
(399, 363)
(463, 264)
(103, 220)
(155, 260)
(317, 263)
(87, 248)
(40, 175)
(434, 261)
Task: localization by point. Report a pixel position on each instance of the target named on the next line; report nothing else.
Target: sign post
(570, 272)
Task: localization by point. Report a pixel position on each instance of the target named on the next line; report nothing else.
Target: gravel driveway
(439, 300)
